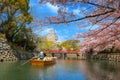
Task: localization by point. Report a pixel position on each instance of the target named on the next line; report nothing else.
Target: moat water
(62, 70)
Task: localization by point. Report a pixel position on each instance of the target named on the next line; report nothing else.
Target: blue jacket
(41, 55)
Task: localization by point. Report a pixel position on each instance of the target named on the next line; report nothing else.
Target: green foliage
(13, 25)
(44, 44)
(71, 44)
(2, 35)
(16, 16)
(25, 38)
(59, 47)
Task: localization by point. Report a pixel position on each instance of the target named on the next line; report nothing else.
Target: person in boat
(44, 54)
(53, 54)
(41, 55)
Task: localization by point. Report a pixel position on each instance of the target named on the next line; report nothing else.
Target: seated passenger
(41, 55)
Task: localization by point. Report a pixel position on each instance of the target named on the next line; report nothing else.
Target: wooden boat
(41, 62)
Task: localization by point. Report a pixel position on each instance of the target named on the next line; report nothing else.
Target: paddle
(29, 60)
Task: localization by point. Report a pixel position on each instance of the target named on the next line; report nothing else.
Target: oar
(28, 60)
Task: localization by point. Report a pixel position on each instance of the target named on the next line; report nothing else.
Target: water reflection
(62, 70)
(102, 70)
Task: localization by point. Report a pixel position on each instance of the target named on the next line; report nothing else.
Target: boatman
(41, 55)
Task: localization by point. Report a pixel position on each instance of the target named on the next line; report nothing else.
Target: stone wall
(104, 56)
(6, 53)
(110, 57)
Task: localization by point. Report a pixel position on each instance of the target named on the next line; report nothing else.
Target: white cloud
(94, 27)
(41, 32)
(62, 35)
(76, 11)
(45, 31)
(61, 38)
(36, 30)
(53, 8)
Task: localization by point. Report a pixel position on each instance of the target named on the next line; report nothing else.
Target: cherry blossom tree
(108, 38)
(104, 13)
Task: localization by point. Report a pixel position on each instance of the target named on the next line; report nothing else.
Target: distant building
(52, 36)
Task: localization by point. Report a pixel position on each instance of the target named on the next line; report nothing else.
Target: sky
(63, 31)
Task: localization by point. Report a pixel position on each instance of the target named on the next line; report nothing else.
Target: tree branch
(106, 41)
(89, 16)
(100, 5)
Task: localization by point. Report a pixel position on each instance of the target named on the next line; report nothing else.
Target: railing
(62, 51)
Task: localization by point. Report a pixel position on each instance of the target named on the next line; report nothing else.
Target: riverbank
(12, 52)
(6, 52)
(102, 56)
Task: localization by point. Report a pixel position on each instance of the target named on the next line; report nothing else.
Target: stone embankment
(104, 56)
(6, 53)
